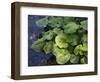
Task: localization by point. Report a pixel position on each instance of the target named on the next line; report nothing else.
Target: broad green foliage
(74, 59)
(83, 60)
(48, 47)
(84, 38)
(57, 31)
(61, 41)
(84, 47)
(62, 55)
(38, 45)
(72, 39)
(81, 49)
(42, 22)
(71, 27)
(66, 20)
(84, 24)
(55, 22)
(64, 39)
(63, 58)
(48, 35)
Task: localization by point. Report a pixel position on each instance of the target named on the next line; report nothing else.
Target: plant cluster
(64, 37)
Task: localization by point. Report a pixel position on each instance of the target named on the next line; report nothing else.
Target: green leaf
(38, 45)
(57, 31)
(84, 24)
(62, 59)
(56, 50)
(61, 41)
(74, 59)
(55, 22)
(77, 50)
(48, 35)
(72, 39)
(62, 55)
(66, 20)
(80, 49)
(83, 60)
(48, 47)
(42, 22)
(84, 38)
(71, 27)
(84, 47)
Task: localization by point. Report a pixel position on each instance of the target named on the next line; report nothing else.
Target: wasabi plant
(65, 37)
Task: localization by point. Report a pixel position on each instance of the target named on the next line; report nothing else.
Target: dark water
(35, 58)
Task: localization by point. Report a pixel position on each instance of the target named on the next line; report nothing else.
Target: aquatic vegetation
(66, 38)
